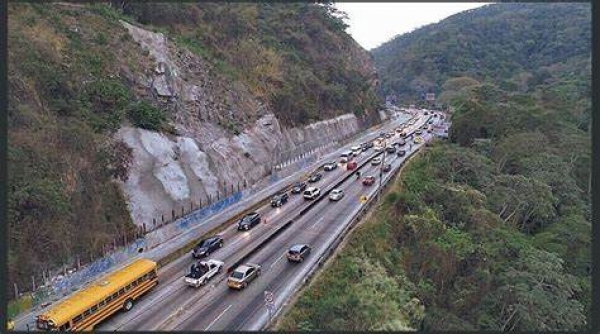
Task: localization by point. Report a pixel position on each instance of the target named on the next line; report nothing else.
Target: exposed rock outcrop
(205, 158)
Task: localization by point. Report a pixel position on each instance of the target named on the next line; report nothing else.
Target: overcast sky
(372, 24)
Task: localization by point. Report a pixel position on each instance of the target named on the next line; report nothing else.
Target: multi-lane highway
(173, 305)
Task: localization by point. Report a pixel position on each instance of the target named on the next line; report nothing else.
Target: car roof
(297, 247)
(311, 188)
(242, 268)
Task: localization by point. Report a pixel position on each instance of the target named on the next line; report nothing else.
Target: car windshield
(206, 243)
(237, 274)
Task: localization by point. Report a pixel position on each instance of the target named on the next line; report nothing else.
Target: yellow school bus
(101, 299)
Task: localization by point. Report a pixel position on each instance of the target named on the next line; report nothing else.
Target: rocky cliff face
(172, 171)
(113, 123)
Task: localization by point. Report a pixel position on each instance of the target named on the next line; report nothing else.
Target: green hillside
(295, 56)
(515, 45)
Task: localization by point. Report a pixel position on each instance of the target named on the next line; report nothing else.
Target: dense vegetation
(296, 57)
(490, 231)
(70, 89)
(515, 45)
(65, 100)
(493, 233)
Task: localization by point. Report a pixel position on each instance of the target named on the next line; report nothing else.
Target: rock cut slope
(116, 118)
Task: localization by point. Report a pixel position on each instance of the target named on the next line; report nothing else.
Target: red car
(368, 180)
(351, 165)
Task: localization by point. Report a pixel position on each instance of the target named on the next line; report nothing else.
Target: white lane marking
(279, 258)
(217, 318)
(245, 235)
(318, 221)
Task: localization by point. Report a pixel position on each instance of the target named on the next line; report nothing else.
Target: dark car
(330, 166)
(297, 253)
(401, 153)
(298, 187)
(279, 199)
(207, 246)
(249, 221)
(430, 122)
(315, 177)
(387, 167)
(390, 149)
(368, 180)
(364, 146)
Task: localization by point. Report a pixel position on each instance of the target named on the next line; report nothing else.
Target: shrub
(146, 116)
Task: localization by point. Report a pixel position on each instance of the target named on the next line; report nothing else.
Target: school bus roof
(98, 291)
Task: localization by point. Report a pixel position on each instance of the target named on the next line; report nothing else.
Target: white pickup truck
(202, 272)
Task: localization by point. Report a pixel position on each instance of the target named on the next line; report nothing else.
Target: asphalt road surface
(175, 306)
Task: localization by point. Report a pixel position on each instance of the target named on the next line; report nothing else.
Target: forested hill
(513, 44)
(78, 74)
(297, 57)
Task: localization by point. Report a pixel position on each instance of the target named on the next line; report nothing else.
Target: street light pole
(381, 168)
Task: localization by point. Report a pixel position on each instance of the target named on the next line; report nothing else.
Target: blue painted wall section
(184, 222)
(63, 285)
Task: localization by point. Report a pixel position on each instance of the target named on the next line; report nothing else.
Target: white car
(336, 195)
(376, 161)
(202, 272)
(311, 193)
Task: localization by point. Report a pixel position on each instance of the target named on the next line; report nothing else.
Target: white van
(311, 193)
(355, 150)
(345, 157)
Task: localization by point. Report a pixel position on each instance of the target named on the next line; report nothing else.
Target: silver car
(336, 195)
